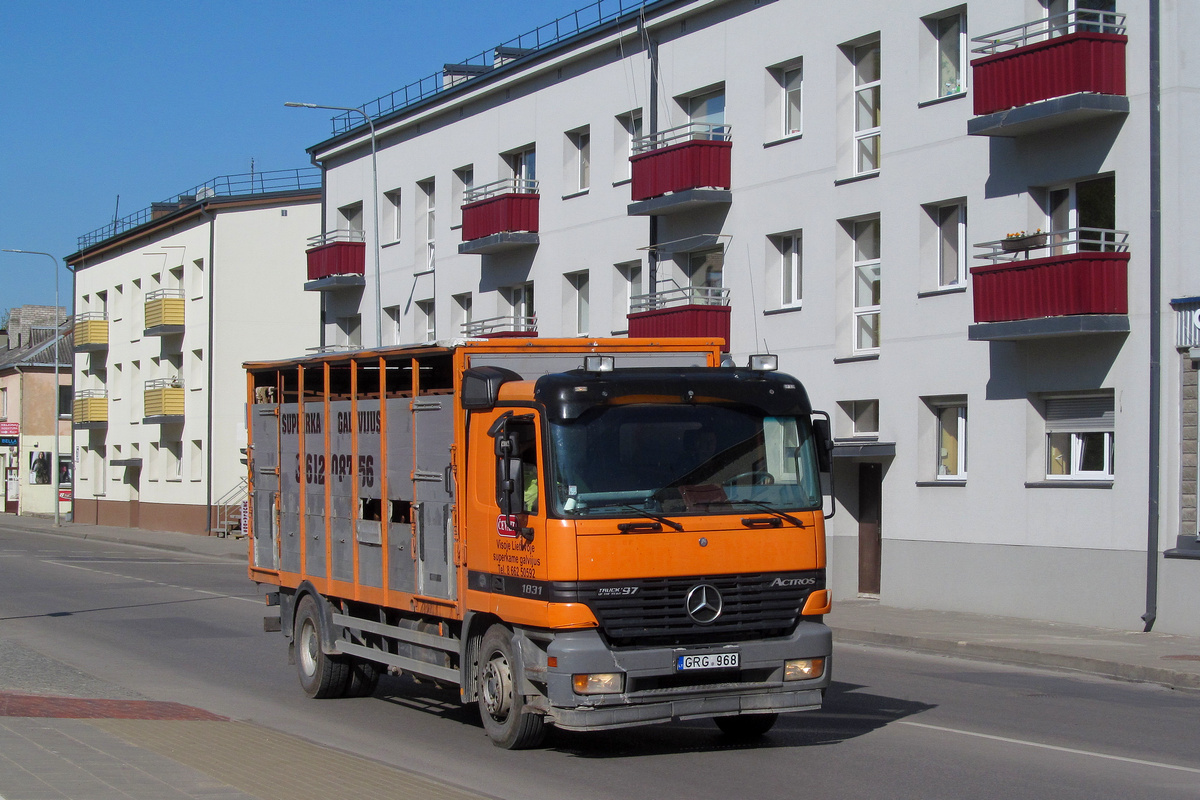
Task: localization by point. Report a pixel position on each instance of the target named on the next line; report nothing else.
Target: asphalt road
(92, 619)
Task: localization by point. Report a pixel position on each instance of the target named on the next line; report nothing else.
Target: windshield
(682, 459)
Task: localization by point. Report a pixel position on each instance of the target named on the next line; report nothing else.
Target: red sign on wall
(10, 429)
(64, 495)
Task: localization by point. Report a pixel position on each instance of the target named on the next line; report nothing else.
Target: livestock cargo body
(585, 534)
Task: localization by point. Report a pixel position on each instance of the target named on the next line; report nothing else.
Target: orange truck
(586, 534)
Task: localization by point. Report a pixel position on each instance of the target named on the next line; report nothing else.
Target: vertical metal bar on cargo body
(385, 495)
(355, 468)
(301, 472)
(326, 371)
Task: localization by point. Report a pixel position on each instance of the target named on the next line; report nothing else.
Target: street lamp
(57, 410)
(374, 206)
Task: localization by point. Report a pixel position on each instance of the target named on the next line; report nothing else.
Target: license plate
(706, 661)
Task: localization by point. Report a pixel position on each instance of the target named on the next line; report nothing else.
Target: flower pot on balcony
(1019, 244)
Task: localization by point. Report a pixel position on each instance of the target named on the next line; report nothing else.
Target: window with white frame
(99, 468)
(580, 292)
(706, 112)
(951, 455)
(460, 312)
(197, 279)
(1063, 21)
(861, 417)
(520, 302)
(349, 331)
(196, 460)
(173, 459)
(1082, 215)
(629, 128)
(788, 250)
(790, 78)
(392, 320)
(867, 88)
(428, 190)
(426, 320)
(153, 462)
(705, 270)
(944, 60)
(3, 403)
(580, 167)
(866, 285)
(391, 217)
(1079, 437)
(949, 254)
(350, 219)
(464, 181)
(523, 164)
(630, 286)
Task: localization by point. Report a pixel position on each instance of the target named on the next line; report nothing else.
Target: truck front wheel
(321, 675)
(500, 702)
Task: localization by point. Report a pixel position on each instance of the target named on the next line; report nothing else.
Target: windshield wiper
(651, 515)
(772, 511)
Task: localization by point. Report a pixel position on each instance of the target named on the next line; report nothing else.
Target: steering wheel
(755, 477)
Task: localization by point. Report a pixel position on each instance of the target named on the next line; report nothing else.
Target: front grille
(754, 606)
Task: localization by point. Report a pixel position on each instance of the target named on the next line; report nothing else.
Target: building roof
(42, 348)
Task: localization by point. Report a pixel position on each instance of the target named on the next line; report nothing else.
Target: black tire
(499, 701)
(364, 677)
(746, 726)
(321, 675)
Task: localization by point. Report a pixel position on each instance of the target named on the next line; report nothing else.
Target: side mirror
(823, 432)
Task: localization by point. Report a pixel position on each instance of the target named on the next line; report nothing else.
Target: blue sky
(147, 98)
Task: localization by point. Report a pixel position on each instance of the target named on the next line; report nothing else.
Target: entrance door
(12, 489)
(870, 534)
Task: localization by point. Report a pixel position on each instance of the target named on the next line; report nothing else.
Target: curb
(154, 545)
(1170, 678)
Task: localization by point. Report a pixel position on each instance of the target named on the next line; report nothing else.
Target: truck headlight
(803, 669)
(598, 682)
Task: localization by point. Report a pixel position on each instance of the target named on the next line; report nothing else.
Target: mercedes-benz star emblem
(704, 603)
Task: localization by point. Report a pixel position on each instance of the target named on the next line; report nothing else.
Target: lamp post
(374, 205)
(57, 411)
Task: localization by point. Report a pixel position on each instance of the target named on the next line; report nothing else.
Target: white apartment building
(961, 225)
(169, 303)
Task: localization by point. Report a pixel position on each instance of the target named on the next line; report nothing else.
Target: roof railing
(1079, 20)
(250, 183)
(689, 132)
(502, 186)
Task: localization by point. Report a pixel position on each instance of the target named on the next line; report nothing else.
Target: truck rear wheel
(746, 726)
(321, 675)
(363, 678)
(500, 702)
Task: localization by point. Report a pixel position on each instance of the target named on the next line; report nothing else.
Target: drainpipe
(208, 433)
(1152, 511)
(652, 122)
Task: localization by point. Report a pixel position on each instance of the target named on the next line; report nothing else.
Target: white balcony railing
(1054, 243)
(509, 324)
(692, 131)
(502, 186)
(338, 235)
(1078, 20)
(683, 296)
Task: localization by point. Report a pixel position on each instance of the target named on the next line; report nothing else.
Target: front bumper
(656, 692)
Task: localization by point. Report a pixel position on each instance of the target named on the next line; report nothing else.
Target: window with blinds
(1079, 437)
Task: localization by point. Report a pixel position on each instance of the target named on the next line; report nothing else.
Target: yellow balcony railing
(91, 331)
(90, 408)
(164, 307)
(164, 398)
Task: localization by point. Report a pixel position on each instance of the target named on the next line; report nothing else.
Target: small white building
(169, 303)
(960, 225)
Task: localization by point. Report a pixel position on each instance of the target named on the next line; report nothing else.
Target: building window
(3, 403)
(173, 460)
(153, 461)
(464, 181)
(706, 112)
(391, 216)
(64, 401)
(349, 331)
(581, 295)
(1082, 215)
(195, 373)
(629, 128)
(428, 191)
(580, 143)
(951, 441)
(942, 61)
(1079, 437)
(427, 320)
(787, 249)
(862, 417)
(460, 312)
(196, 460)
(790, 80)
(629, 286)
(866, 286)
(197, 281)
(1076, 16)
(949, 256)
(392, 321)
(523, 164)
(867, 84)
(350, 221)
(99, 460)
(520, 300)
(705, 270)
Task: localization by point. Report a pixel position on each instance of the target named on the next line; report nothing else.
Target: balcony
(90, 409)
(681, 169)
(164, 401)
(335, 260)
(1063, 70)
(164, 312)
(500, 216)
(1076, 285)
(510, 327)
(689, 311)
(91, 332)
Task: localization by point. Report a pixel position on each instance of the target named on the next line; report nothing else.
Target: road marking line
(1056, 748)
(257, 601)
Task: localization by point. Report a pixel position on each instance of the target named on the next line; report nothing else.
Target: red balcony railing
(692, 311)
(340, 252)
(1080, 51)
(1083, 272)
(505, 206)
(693, 156)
